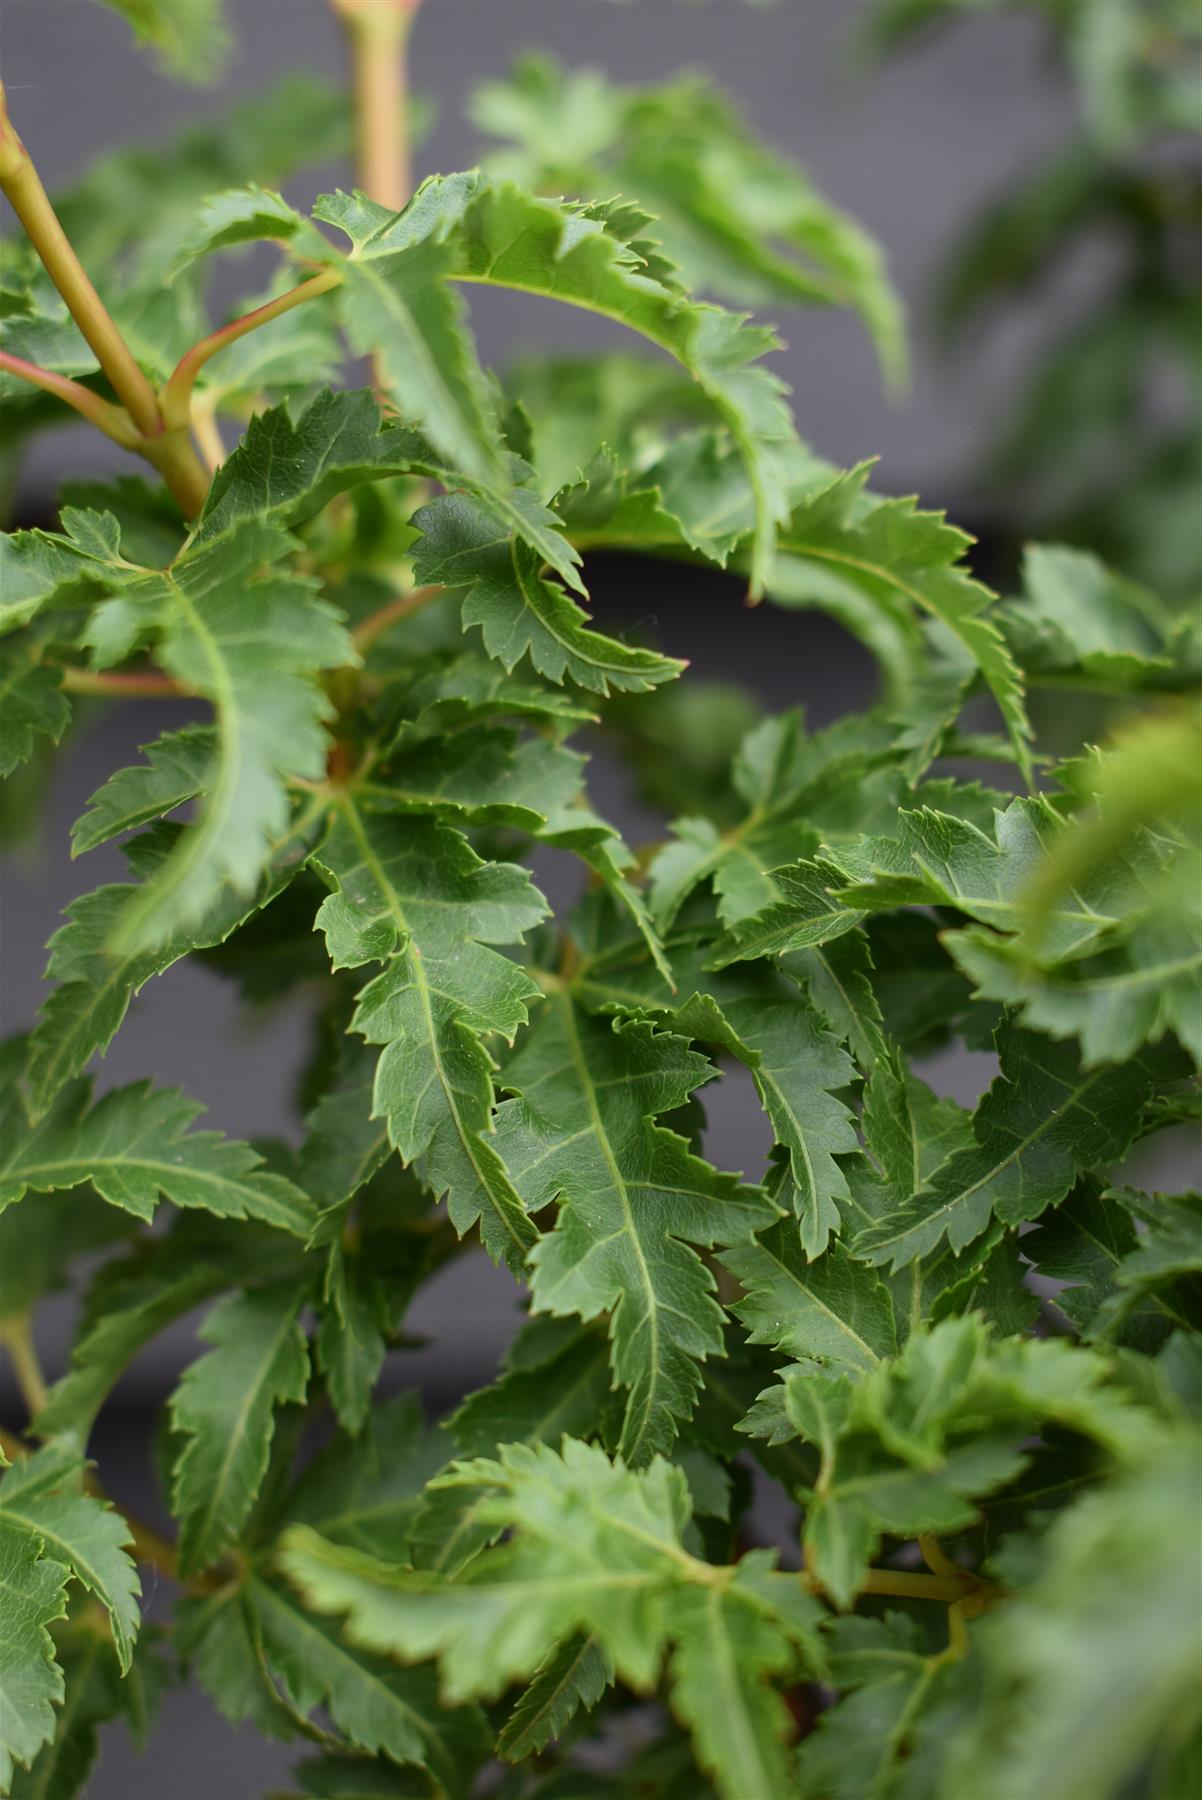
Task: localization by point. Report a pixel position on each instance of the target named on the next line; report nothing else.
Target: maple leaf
(42, 1498)
(597, 1548)
(1044, 1119)
(223, 1410)
(632, 1202)
(466, 545)
(223, 626)
(97, 982)
(739, 220)
(31, 704)
(133, 1145)
(465, 228)
(414, 896)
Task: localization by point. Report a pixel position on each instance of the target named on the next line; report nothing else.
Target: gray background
(912, 149)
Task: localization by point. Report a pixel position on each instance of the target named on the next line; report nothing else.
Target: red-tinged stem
(31, 203)
(177, 395)
(114, 421)
(168, 449)
(135, 685)
(375, 624)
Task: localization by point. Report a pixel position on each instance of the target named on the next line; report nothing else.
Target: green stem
(936, 1558)
(31, 203)
(17, 1338)
(177, 395)
(114, 421)
(167, 450)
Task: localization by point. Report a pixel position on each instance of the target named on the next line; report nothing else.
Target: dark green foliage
(946, 1357)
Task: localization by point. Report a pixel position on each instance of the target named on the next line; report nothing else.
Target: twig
(114, 421)
(140, 686)
(17, 1339)
(177, 395)
(380, 621)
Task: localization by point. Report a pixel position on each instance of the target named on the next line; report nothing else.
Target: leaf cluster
(900, 1428)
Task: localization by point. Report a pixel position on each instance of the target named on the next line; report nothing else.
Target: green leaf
(632, 1202)
(1111, 1610)
(594, 1548)
(244, 216)
(731, 1644)
(178, 766)
(379, 1708)
(574, 1675)
(128, 1306)
(190, 36)
(350, 1342)
(1162, 1260)
(806, 914)
(398, 305)
(31, 1681)
(292, 461)
(888, 1726)
(31, 703)
(38, 569)
(366, 1493)
(937, 859)
(96, 1692)
(1077, 614)
(42, 1498)
(740, 221)
(465, 228)
(556, 1381)
(833, 1311)
(224, 1411)
(797, 1067)
(224, 628)
(1145, 975)
(1044, 1119)
(414, 896)
(134, 1145)
(466, 545)
(97, 982)
(795, 788)
(893, 556)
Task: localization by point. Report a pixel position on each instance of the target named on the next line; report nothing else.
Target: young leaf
(595, 1548)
